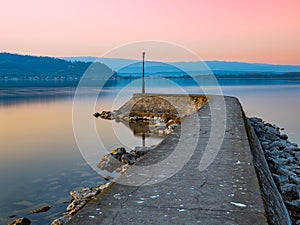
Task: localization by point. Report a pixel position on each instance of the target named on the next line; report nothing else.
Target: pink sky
(234, 30)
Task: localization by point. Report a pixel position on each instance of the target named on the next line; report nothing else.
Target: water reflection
(39, 159)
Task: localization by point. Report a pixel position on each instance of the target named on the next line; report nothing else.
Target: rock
(295, 180)
(12, 216)
(283, 170)
(290, 148)
(101, 187)
(108, 115)
(280, 180)
(136, 119)
(61, 220)
(283, 158)
(160, 125)
(75, 206)
(265, 145)
(140, 151)
(255, 119)
(134, 154)
(173, 126)
(293, 205)
(96, 114)
(110, 164)
(161, 132)
(283, 136)
(165, 117)
(260, 125)
(20, 221)
(42, 209)
(271, 130)
(278, 144)
(118, 152)
(289, 192)
(84, 194)
(168, 131)
(128, 159)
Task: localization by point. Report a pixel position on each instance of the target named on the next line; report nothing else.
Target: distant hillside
(14, 66)
(218, 67)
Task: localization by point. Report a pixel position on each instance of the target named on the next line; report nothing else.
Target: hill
(14, 66)
(218, 67)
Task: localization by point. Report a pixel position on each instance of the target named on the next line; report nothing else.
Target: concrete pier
(226, 192)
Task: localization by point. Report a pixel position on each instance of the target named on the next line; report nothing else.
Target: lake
(40, 162)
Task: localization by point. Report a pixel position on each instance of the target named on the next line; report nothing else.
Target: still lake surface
(40, 162)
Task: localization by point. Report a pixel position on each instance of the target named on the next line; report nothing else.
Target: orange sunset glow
(232, 30)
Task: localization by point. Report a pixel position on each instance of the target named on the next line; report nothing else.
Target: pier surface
(226, 192)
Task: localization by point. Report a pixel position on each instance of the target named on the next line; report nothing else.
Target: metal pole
(143, 140)
(143, 74)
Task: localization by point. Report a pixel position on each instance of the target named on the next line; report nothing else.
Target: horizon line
(91, 56)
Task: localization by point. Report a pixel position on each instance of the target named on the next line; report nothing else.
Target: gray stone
(260, 125)
(256, 119)
(280, 180)
(110, 164)
(293, 205)
(290, 148)
(295, 180)
(140, 151)
(278, 144)
(128, 159)
(284, 170)
(271, 130)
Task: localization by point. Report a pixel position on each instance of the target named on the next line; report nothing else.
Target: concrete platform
(226, 192)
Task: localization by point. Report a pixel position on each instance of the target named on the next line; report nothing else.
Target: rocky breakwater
(283, 158)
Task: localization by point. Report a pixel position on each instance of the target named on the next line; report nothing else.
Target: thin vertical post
(143, 74)
(143, 140)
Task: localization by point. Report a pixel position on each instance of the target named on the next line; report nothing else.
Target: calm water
(40, 162)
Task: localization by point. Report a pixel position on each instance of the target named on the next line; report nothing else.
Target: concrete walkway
(227, 192)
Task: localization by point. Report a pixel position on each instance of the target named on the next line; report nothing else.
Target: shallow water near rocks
(40, 162)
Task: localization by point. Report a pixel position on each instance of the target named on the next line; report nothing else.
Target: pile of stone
(283, 158)
(119, 159)
(157, 124)
(107, 115)
(79, 199)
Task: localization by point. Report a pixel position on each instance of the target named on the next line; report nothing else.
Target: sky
(265, 31)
